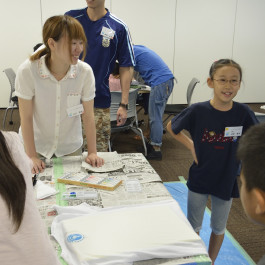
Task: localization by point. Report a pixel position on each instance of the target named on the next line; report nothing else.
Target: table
(135, 167)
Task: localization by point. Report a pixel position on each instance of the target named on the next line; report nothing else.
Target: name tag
(75, 110)
(233, 131)
(107, 33)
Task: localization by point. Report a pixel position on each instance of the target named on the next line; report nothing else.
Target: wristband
(124, 105)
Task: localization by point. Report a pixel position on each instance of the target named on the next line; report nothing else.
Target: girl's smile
(225, 83)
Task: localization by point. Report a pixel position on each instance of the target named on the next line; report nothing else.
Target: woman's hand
(94, 160)
(38, 165)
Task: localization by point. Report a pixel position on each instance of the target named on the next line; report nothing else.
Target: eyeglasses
(233, 82)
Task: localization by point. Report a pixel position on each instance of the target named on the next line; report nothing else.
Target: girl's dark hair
(12, 185)
(224, 62)
(57, 27)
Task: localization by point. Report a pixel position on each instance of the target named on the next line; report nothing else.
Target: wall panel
(204, 33)
(59, 7)
(249, 49)
(20, 30)
(151, 23)
(188, 34)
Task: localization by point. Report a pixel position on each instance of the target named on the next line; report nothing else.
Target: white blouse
(54, 131)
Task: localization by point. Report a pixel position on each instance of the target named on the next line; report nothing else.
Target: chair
(174, 109)
(13, 100)
(132, 119)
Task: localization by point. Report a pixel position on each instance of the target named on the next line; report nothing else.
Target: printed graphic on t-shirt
(213, 137)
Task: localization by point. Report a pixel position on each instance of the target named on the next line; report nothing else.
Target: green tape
(60, 187)
(182, 179)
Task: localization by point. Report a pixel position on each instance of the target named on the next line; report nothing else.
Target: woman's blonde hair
(57, 27)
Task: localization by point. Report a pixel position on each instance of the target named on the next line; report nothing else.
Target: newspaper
(134, 166)
(150, 192)
(112, 162)
(47, 174)
(72, 163)
(47, 211)
(136, 163)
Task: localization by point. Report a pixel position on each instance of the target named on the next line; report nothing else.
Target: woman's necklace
(59, 75)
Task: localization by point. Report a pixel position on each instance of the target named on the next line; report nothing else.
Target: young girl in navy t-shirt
(215, 127)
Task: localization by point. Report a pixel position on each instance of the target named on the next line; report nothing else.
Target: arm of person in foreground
(126, 74)
(185, 140)
(90, 130)
(26, 117)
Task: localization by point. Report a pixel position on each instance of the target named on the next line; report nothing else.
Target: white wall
(20, 30)
(59, 7)
(24, 31)
(249, 48)
(204, 34)
(188, 34)
(151, 24)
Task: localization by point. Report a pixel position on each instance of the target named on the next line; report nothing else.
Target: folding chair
(13, 100)
(174, 109)
(132, 119)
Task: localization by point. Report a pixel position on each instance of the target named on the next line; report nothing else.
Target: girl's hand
(94, 160)
(38, 165)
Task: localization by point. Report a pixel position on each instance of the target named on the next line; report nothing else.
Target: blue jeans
(219, 214)
(157, 102)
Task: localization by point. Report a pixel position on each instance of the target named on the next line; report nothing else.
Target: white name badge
(233, 131)
(107, 33)
(75, 110)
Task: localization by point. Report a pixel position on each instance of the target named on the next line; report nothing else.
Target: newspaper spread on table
(134, 167)
(112, 163)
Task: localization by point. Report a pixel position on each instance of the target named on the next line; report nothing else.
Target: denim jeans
(196, 207)
(157, 102)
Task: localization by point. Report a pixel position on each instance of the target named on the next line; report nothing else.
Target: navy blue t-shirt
(102, 57)
(217, 166)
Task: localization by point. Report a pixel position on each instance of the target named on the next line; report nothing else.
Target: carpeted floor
(176, 162)
(231, 253)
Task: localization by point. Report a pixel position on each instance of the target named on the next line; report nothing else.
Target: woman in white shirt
(24, 239)
(54, 88)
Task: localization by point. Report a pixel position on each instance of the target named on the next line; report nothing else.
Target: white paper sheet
(126, 234)
(44, 190)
